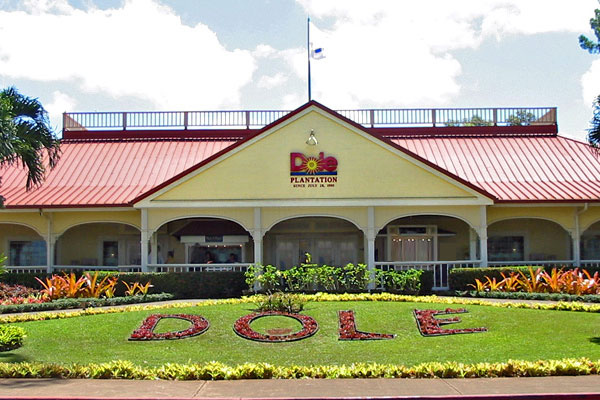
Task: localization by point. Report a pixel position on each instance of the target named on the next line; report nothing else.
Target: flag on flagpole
(318, 53)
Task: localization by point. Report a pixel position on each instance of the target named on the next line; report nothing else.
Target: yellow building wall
(469, 214)
(544, 240)
(355, 215)
(262, 169)
(33, 220)
(64, 220)
(10, 232)
(588, 217)
(82, 244)
(564, 216)
(159, 217)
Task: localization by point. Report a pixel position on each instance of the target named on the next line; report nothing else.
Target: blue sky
(113, 55)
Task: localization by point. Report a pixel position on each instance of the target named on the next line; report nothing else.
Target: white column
(50, 240)
(576, 237)
(257, 236)
(370, 236)
(483, 245)
(472, 244)
(144, 240)
(154, 248)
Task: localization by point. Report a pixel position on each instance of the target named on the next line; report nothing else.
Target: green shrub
(461, 278)
(11, 337)
(219, 371)
(586, 298)
(279, 301)
(407, 282)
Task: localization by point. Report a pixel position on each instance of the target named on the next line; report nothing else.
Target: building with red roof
(427, 188)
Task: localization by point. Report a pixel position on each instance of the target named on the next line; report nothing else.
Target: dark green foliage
(26, 136)
(588, 44)
(11, 337)
(593, 48)
(279, 301)
(593, 136)
(587, 298)
(461, 278)
(189, 285)
(182, 285)
(69, 303)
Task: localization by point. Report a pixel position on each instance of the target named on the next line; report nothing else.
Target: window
(506, 248)
(110, 253)
(27, 252)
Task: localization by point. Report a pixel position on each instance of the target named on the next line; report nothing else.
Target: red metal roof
(106, 173)
(516, 168)
(507, 164)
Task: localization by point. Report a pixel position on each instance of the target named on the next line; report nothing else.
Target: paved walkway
(583, 387)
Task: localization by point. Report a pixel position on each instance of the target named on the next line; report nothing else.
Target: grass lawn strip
(515, 333)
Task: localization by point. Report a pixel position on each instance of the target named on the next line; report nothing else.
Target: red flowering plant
(430, 326)
(347, 329)
(146, 330)
(242, 327)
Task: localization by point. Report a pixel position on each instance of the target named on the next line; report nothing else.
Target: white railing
(237, 267)
(534, 263)
(42, 269)
(440, 269)
(29, 269)
(589, 263)
(81, 121)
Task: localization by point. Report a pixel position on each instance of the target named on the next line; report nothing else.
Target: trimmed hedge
(586, 298)
(70, 303)
(188, 285)
(182, 285)
(218, 371)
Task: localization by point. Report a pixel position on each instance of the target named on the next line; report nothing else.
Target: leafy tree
(26, 136)
(521, 117)
(593, 48)
(475, 120)
(588, 44)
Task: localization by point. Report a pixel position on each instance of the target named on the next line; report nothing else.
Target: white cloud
(141, 49)
(400, 53)
(271, 81)
(60, 103)
(590, 82)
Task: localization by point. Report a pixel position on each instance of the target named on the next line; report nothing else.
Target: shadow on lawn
(11, 357)
(595, 340)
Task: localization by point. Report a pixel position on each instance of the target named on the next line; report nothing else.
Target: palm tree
(593, 47)
(26, 136)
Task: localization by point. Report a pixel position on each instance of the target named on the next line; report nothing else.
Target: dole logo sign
(303, 165)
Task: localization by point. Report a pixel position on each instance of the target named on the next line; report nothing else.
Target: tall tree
(594, 48)
(26, 136)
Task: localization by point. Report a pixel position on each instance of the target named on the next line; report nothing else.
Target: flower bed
(242, 327)
(146, 330)
(347, 329)
(431, 326)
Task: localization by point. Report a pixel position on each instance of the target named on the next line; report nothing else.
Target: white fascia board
(458, 201)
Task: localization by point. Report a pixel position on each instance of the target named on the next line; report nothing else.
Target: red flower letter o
(243, 329)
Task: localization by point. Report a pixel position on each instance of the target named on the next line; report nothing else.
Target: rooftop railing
(415, 117)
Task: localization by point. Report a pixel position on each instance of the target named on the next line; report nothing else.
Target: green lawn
(513, 334)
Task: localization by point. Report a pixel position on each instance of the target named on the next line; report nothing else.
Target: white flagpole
(308, 54)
